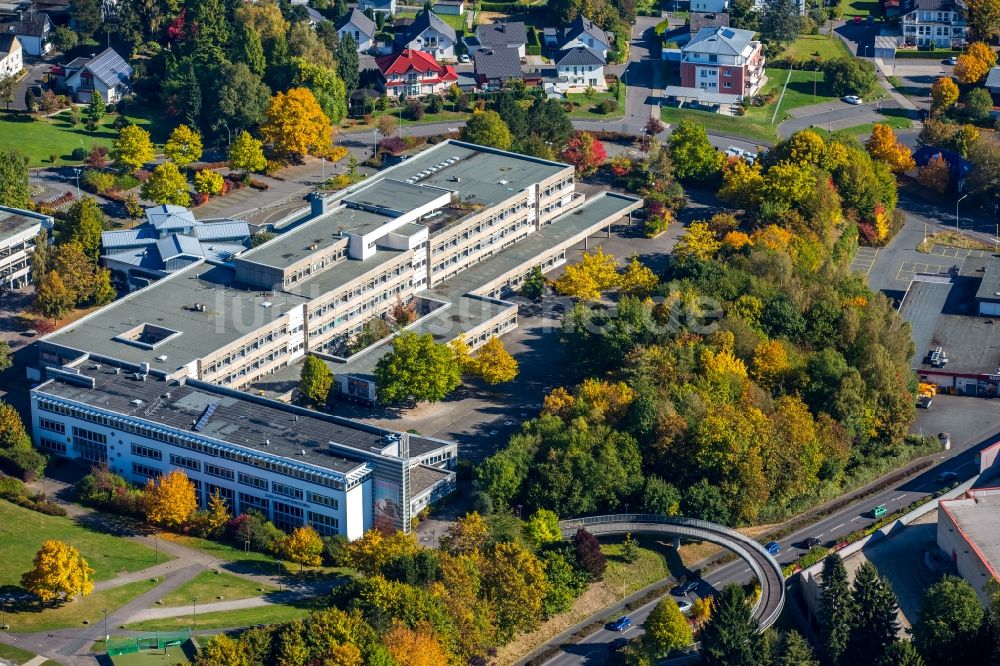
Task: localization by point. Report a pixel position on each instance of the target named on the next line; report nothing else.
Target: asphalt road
(974, 424)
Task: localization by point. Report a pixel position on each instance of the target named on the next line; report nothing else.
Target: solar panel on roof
(205, 416)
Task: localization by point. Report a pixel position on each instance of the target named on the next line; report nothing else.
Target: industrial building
(18, 229)
(968, 531)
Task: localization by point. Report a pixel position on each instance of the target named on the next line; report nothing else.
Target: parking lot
(864, 260)
(907, 269)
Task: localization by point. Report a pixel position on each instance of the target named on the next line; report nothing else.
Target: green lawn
(208, 586)
(429, 118)
(15, 654)
(587, 105)
(243, 560)
(22, 532)
(456, 22)
(812, 47)
(271, 614)
(172, 655)
(849, 8)
(628, 577)
(864, 130)
(39, 139)
(73, 613)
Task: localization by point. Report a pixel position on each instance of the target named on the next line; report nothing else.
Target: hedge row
(928, 55)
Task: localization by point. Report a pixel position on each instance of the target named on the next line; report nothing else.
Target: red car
(857, 20)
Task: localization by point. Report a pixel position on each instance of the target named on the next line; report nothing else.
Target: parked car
(774, 548)
(733, 151)
(879, 511)
(684, 588)
(684, 605)
(951, 61)
(947, 477)
(852, 99)
(811, 542)
(464, 58)
(622, 623)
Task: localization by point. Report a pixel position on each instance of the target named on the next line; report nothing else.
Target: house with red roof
(415, 73)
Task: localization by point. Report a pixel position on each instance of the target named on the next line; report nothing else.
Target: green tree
(695, 158)
(950, 616)
(87, 16)
(166, 185)
(348, 65)
(566, 583)
(83, 224)
(667, 627)
(542, 527)
(847, 75)
(14, 192)
(793, 650)
(6, 359)
(246, 154)
(95, 111)
(325, 84)
(487, 128)
(900, 653)
(248, 49)
(241, 98)
(660, 497)
(781, 22)
(730, 638)
(133, 147)
(984, 18)
(534, 285)
(836, 610)
(184, 146)
(874, 622)
(978, 105)
(315, 380)
(416, 369)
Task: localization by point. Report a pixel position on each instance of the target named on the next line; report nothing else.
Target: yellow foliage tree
(975, 63)
(208, 182)
(133, 147)
(246, 154)
(881, 220)
(170, 500)
(770, 363)
(698, 242)
(806, 147)
(602, 267)
(736, 240)
(183, 146)
(638, 280)
(223, 649)
(59, 570)
(460, 348)
(774, 237)
(596, 272)
(558, 402)
(741, 184)
(605, 400)
(944, 94)
(373, 550)
(494, 363)
(295, 124)
(701, 610)
(578, 283)
(415, 647)
(304, 546)
(468, 535)
(882, 145)
(218, 512)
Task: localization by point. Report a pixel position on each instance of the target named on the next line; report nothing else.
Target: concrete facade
(969, 534)
(723, 60)
(18, 229)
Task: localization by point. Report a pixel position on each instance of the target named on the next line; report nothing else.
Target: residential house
(430, 34)
(495, 67)
(512, 35)
(937, 23)
(683, 34)
(451, 7)
(11, 55)
(581, 68)
(107, 74)
(170, 240)
(709, 6)
(723, 60)
(584, 32)
(32, 30)
(360, 27)
(414, 74)
(387, 7)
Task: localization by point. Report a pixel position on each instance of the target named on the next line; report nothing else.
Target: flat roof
(322, 231)
(232, 311)
(922, 307)
(240, 419)
(979, 519)
(425, 477)
(395, 195)
(13, 222)
(989, 288)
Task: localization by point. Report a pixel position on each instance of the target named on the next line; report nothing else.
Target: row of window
(335, 257)
(204, 448)
(555, 188)
(261, 362)
(145, 470)
(484, 245)
(484, 225)
(221, 472)
(244, 351)
(349, 294)
(52, 445)
(146, 452)
(53, 426)
(183, 461)
(361, 310)
(286, 490)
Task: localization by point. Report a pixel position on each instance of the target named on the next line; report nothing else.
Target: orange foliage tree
(415, 647)
(170, 499)
(295, 124)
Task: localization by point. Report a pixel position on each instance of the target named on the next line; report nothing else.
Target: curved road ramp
(764, 566)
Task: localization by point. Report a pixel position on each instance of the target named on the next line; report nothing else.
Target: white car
(684, 605)
(852, 99)
(733, 151)
(463, 58)
(951, 61)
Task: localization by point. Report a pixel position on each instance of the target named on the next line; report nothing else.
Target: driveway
(836, 115)
(35, 72)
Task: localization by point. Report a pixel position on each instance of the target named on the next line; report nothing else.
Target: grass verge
(863, 130)
(22, 532)
(15, 654)
(954, 239)
(816, 47)
(239, 559)
(73, 613)
(271, 614)
(588, 104)
(215, 586)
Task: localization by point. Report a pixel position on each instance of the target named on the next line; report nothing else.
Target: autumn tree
(935, 175)
(52, 298)
(697, 243)
(6, 358)
(166, 185)
(295, 124)
(975, 63)
(222, 649)
(944, 94)
(514, 585)
(183, 146)
(14, 190)
(417, 368)
(543, 527)
(585, 153)
(12, 431)
(208, 182)
(59, 570)
(667, 627)
(588, 553)
(638, 279)
(466, 535)
(984, 18)
(218, 513)
(374, 550)
(304, 546)
(83, 224)
(883, 145)
(133, 148)
(315, 380)
(487, 128)
(419, 646)
(246, 154)
(596, 272)
(170, 499)
(494, 363)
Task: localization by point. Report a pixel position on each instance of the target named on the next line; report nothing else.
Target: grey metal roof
(14, 221)
(116, 240)
(513, 33)
(31, 24)
(581, 26)
(110, 68)
(720, 41)
(499, 63)
(703, 96)
(424, 21)
(166, 217)
(993, 78)
(578, 55)
(922, 306)
(989, 288)
(360, 21)
(178, 244)
(221, 231)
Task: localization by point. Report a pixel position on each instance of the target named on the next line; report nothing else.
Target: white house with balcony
(935, 23)
(723, 60)
(579, 67)
(360, 28)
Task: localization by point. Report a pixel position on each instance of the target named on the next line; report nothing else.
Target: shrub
(126, 181)
(79, 154)
(24, 463)
(393, 145)
(11, 488)
(607, 106)
(97, 157)
(434, 104)
(98, 181)
(415, 110)
(111, 108)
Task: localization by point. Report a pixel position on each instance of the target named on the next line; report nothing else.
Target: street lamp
(107, 636)
(77, 172)
(375, 134)
(194, 608)
(956, 209)
(229, 137)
